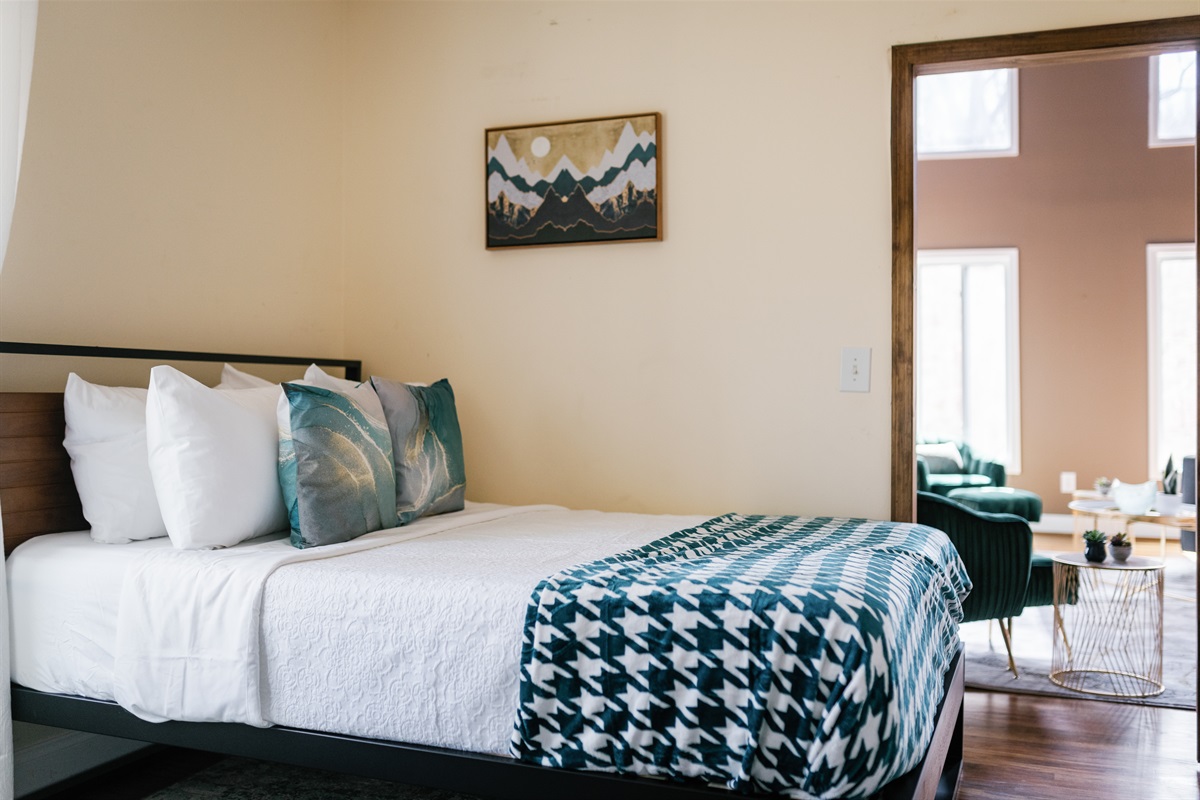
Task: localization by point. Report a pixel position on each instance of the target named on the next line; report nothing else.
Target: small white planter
(1167, 504)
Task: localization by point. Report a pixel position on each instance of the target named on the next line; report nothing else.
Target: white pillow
(942, 456)
(361, 393)
(106, 439)
(233, 378)
(213, 460)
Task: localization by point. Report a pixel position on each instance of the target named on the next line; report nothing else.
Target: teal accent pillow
(427, 443)
(335, 467)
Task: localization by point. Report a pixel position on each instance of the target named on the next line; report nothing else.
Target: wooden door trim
(1144, 37)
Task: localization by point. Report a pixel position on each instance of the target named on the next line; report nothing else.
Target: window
(967, 351)
(1173, 99)
(1171, 279)
(967, 114)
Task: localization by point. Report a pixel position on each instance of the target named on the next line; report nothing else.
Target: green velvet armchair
(940, 477)
(997, 550)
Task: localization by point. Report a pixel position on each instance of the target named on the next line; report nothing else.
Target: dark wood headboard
(37, 492)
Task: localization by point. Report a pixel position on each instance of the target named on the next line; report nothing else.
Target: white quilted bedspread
(421, 641)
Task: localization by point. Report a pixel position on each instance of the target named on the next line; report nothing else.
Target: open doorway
(909, 61)
(1033, 303)
(1074, 46)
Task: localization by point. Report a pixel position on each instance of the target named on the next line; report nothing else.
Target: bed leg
(953, 769)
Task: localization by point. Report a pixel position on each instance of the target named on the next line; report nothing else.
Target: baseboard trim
(1054, 523)
(1066, 524)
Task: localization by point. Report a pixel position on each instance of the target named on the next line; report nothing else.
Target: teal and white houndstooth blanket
(796, 656)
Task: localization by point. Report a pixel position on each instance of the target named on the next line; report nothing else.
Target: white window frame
(1154, 139)
(1009, 152)
(1155, 255)
(1010, 258)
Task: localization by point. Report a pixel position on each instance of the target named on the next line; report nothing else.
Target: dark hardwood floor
(1017, 746)
(1022, 746)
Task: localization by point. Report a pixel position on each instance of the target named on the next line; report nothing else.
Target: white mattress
(417, 641)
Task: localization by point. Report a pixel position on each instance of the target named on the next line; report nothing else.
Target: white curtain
(18, 24)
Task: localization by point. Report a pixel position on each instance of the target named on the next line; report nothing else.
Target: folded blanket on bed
(798, 656)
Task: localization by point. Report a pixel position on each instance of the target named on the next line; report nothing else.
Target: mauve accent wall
(1081, 202)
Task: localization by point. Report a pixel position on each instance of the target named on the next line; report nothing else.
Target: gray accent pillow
(335, 467)
(427, 447)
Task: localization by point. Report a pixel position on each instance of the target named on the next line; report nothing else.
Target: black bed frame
(453, 770)
(352, 367)
(937, 776)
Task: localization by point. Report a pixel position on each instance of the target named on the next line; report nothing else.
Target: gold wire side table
(1108, 633)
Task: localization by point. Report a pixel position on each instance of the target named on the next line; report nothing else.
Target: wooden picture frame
(578, 182)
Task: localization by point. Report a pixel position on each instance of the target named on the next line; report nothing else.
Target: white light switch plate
(856, 369)
(1066, 482)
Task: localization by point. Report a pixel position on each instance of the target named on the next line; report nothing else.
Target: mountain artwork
(594, 180)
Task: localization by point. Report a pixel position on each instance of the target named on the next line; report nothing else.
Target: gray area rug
(245, 779)
(987, 662)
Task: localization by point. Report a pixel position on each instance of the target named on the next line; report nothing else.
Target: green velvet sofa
(940, 477)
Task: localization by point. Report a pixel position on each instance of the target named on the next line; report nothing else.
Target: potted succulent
(1103, 486)
(1093, 546)
(1120, 546)
(1166, 502)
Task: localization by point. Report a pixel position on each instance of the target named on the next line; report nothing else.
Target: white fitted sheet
(63, 593)
(417, 641)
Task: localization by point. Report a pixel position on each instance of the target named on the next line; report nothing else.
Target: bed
(462, 747)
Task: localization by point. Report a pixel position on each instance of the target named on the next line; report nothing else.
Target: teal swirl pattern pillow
(335, 467)
(427, 443)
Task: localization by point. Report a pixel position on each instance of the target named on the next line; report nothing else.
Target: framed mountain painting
(585, 181)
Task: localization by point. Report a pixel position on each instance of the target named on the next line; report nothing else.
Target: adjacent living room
(1056, 311)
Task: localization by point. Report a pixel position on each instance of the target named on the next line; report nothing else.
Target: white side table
(1108, 637)
(1105, 508)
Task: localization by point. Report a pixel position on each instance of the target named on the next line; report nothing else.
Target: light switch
(1066, 482)
(856, 369)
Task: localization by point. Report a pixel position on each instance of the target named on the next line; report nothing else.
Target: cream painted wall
(181, 182)
(286, 177)
(694, 375)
